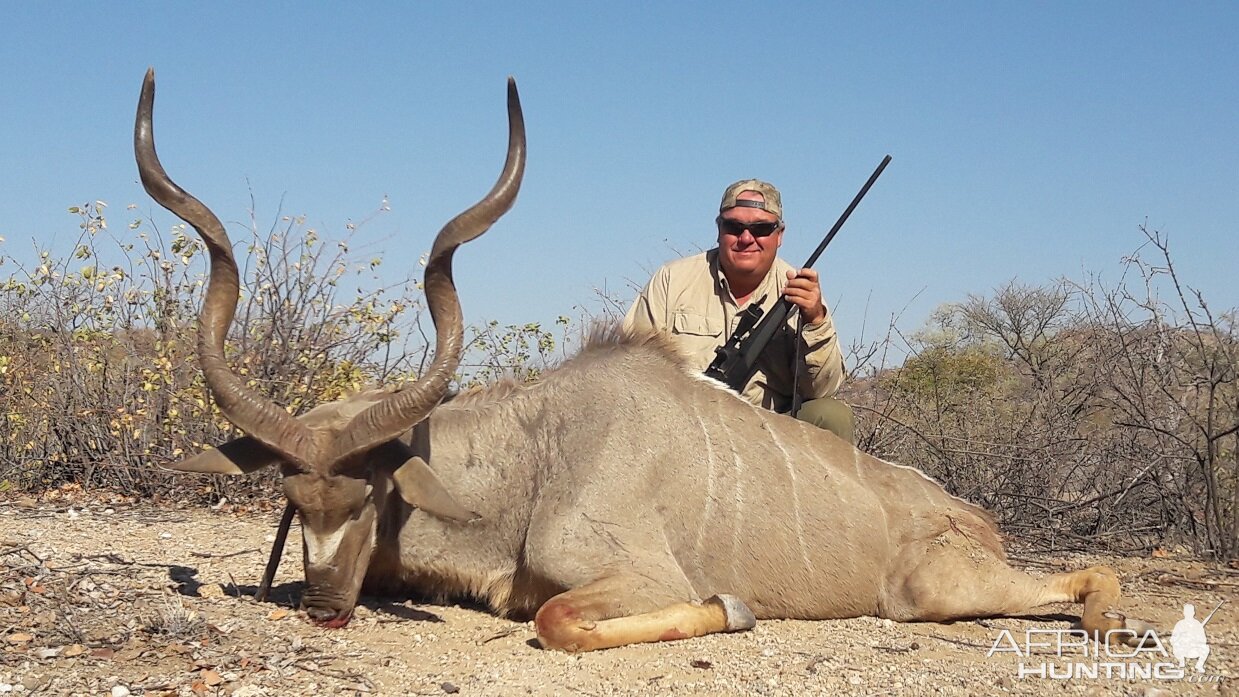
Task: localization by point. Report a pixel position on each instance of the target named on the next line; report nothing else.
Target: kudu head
(341, 461)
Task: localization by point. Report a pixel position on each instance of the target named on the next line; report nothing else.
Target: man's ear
(419, 486)
(238, 456)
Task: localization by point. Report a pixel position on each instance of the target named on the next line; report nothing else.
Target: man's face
(739, 250)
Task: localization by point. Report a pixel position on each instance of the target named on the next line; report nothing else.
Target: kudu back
(622, 498)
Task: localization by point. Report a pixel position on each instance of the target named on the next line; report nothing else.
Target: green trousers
(832, 415)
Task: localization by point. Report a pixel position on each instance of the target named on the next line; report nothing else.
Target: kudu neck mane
(605, 342)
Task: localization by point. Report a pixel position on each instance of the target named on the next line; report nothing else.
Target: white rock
(120, 691)
(165, 536)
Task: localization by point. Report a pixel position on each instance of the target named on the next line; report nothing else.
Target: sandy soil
(137, 600)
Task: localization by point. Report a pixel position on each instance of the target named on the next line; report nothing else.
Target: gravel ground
(137, 600)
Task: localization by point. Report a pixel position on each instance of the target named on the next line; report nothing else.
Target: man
(698, 300)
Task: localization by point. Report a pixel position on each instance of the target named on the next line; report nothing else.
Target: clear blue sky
(1029, 140)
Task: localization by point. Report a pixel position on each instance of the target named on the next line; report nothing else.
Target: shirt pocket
(695, 324)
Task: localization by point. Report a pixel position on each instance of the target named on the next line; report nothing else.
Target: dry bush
(98, 364)
(1076, 412)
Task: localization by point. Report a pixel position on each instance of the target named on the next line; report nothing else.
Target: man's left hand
(804, 291)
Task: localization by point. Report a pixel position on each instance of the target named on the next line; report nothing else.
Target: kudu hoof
(1131, 632)
(1143, 634)
(739, 616)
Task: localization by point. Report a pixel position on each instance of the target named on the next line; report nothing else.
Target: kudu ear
(238, 456)
(419, 486)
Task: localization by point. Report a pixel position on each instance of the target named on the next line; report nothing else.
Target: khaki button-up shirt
(689, 298)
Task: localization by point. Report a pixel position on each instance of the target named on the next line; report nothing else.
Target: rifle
(1211, 614)
(736, 360)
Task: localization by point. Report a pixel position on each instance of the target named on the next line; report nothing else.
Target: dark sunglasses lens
(734, 227)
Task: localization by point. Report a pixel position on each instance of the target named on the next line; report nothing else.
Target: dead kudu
(620, 499)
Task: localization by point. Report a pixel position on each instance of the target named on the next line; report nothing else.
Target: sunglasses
(735, 227)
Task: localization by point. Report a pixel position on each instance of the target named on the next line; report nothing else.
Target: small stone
(165, 536)
(449, 688)
(120, 691)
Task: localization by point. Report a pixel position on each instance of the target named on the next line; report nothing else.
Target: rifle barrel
(847, 212)
(1210, 615)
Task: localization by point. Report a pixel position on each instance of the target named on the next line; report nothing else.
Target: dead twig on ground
(342, 675)
(225, 555)
(22, 549)
(1198, 583)
(501, 634)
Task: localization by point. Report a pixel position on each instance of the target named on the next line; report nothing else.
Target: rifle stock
(735, 361)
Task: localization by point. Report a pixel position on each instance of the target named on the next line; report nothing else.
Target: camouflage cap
(772, 203)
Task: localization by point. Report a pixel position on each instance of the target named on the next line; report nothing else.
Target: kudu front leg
(605, 614)
(1097, 588)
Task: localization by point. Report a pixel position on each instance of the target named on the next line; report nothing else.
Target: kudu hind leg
(954, 586)
(608, 613)
(1097, 588)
